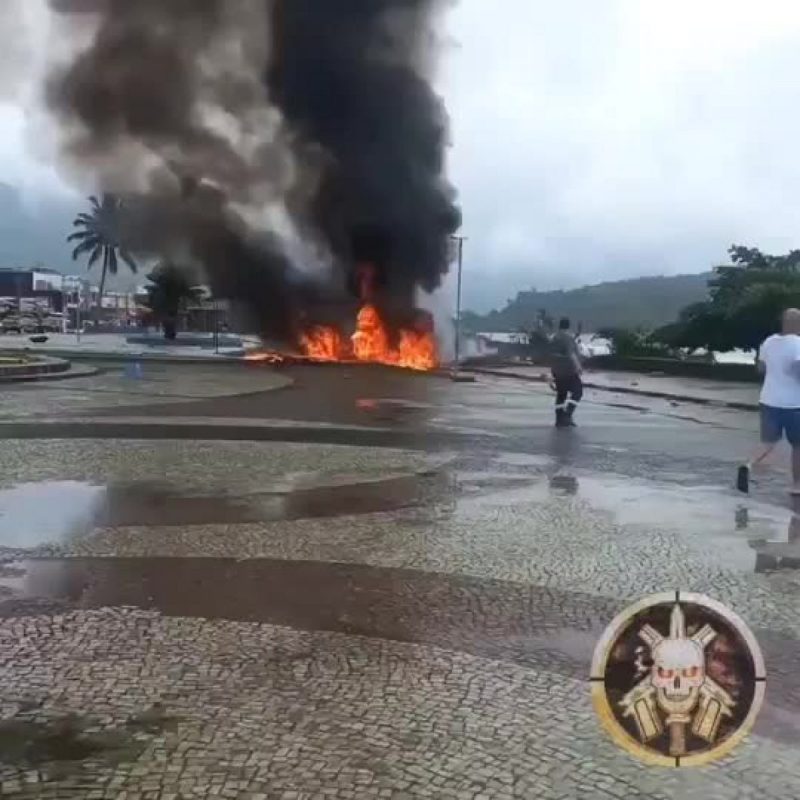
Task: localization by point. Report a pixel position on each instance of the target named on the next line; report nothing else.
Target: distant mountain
(639, 302)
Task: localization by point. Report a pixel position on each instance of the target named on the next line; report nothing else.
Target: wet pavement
(366, 584)
(161, 383)
(504, 620)
(703, 390)
(57, 511)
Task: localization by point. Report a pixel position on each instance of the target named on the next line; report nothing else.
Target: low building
(38, 287)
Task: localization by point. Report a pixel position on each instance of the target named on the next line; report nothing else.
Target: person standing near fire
(565, 365)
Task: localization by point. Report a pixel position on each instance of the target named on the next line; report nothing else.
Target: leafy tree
(169, 291)
(471, 322)
(745, 303)
(99, 236)
(634, 343)
(699, 326)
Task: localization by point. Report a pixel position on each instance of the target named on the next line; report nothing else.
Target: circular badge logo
(677, 679)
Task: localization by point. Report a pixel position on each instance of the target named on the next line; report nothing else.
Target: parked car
(11, 324)
(53, 323)
(29, 324)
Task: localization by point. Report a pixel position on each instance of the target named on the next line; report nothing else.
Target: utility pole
(459, 241)
(216, 325)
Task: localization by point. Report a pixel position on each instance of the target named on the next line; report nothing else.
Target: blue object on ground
(133, 370)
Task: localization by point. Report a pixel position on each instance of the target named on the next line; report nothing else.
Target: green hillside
(640, 302)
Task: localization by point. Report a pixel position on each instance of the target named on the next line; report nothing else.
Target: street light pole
(78, 303)
(460, 244)
(216, 326)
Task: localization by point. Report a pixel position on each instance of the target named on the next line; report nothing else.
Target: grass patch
(17, 360)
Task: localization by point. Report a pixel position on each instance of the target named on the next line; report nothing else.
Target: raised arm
(575, 355)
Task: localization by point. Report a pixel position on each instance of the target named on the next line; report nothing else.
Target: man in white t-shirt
(779, 360)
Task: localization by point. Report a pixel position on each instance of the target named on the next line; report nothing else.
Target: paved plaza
(345, 582)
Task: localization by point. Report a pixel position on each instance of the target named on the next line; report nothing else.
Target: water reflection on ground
(709, 517)
(37, 513)
(780, 553)
(34, 514)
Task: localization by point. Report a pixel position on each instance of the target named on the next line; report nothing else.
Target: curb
(105, 355)
(64, 375)
(39, 365)
(703, 401)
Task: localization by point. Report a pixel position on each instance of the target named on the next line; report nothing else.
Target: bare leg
(763, 453)
(743, 473)
(796, 470)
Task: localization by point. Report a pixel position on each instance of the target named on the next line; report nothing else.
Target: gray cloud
(604, 140)
(597, 141)
(18, 44)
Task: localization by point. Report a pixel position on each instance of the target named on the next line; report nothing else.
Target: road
(354, 582)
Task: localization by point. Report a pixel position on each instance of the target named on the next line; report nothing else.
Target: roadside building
(29, 289)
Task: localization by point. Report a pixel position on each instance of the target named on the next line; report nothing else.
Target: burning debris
(415, 349)
(280, 146)
(411, 347)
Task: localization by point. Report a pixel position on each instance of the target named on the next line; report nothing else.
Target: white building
(46, 280)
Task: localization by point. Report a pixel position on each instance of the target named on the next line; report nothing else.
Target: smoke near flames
(278, 145)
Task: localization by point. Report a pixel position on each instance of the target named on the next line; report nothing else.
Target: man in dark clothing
(566, 369)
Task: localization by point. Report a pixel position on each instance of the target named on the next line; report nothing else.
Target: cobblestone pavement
(186, 618)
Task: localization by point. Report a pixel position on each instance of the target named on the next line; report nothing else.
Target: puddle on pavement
(33, 514)
(391, 410)
(708, 516)
(745, 535)
(514, 622)
(523, 460)
(778, 554)
(485, 617)
(486, 484)
(63, 741)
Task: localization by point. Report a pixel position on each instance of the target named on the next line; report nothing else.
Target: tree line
(744, 305)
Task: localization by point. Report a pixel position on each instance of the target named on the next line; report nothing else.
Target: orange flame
(265, 357)
(323, 343)
(416, 349)
(371, 341)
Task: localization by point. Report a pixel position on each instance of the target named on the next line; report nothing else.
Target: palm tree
(99, 236)
(169, 290)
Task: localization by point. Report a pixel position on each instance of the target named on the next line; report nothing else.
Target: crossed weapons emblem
(679, 686)
(671, 696)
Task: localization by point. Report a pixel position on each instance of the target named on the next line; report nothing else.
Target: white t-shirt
(781, 356)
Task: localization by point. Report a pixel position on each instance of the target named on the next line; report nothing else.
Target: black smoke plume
(240, 127)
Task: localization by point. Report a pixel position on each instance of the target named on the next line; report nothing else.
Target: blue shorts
(777, 421)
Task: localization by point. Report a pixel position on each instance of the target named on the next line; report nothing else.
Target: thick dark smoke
(348, 75)
(240, 125)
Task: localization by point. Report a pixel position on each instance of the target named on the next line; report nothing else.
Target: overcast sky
(592, 139)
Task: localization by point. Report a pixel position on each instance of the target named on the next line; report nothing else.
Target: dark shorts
(569, 389)
(777, 421)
